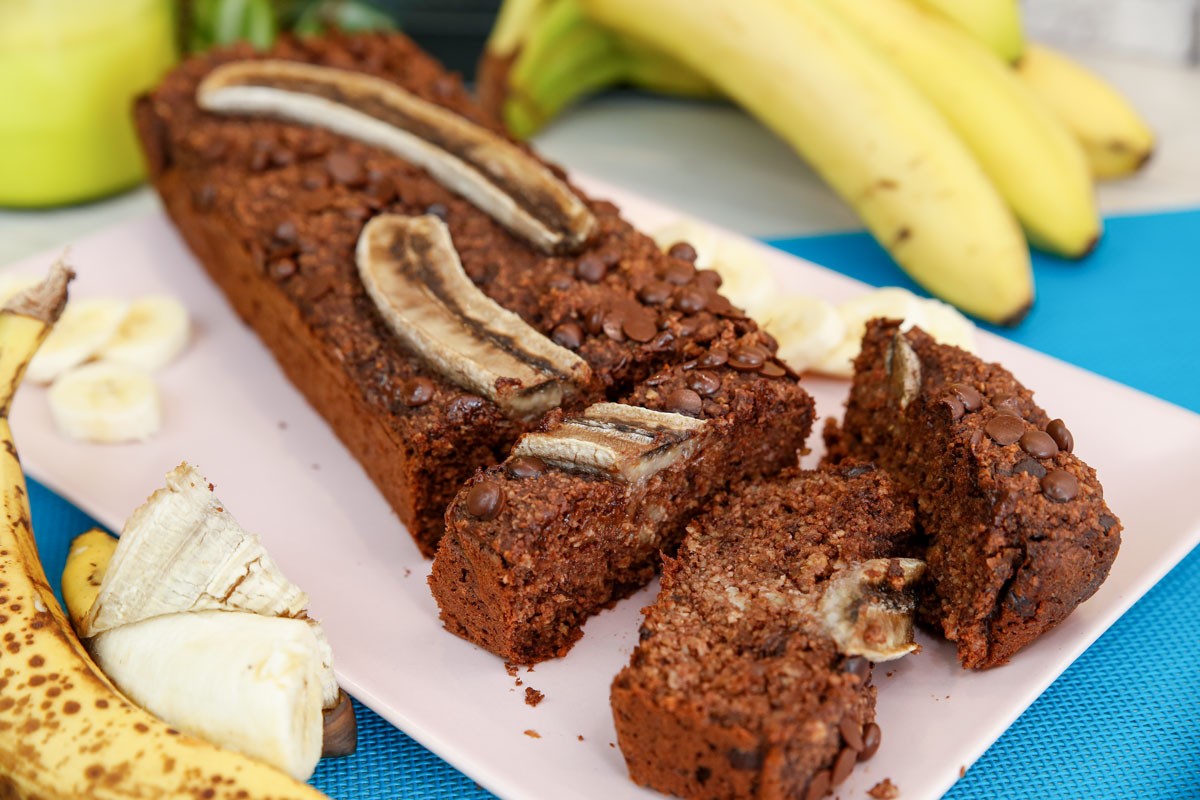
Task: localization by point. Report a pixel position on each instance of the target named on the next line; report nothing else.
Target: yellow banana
(544, 55)
(1115, 138)
(809, 77)
(1030, 156)
(65, 732)
(86, 564)
(995, 23)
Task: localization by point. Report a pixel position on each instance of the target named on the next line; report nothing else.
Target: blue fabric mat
(1119, 723)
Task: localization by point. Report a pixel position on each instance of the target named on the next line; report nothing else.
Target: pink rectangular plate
(276, 465)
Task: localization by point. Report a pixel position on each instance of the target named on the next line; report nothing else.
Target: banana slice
(745, 277)
(948, 325)
(807, 329)
(248, 682)
(106, 402)
(890, 302)
(700, 237)
(152, 334)
(85, 326)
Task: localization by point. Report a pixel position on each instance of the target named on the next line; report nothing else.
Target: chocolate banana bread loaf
(1017, 533)
(271, 165)
(577, 516)
(752, 676)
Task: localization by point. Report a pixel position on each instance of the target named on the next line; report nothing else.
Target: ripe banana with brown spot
(65, 731)
(876, 141)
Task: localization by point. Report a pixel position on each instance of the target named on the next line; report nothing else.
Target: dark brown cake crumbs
(533, 696)
(532, 734)
(884, 790)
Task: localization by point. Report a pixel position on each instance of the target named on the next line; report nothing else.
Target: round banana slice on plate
(745, 277)
(806, 328)
(106, 402)
(152, 334)
(700, 237)
(84, 327)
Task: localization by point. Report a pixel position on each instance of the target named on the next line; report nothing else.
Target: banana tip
(1015, 318)
(44, 301)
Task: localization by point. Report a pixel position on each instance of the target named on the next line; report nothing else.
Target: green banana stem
(524, 114)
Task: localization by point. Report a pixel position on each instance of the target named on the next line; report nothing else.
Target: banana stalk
(1115, 138)
(1029, 155)
(67, 732)
(809, 77)
(544, 55)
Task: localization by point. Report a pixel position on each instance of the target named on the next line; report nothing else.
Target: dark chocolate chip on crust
(526, 467)
(485, 500)
(1005, 429)
(968, 395)
(417, 392)
(1060, 485)
(1038, 444)
(1062, 437)
(684, 401)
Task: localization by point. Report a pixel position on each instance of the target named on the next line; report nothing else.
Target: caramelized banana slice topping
(617, 441)
(501, 179)
(411, 270)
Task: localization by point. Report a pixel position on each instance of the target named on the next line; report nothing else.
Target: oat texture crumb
(884, 790)
(533, 696)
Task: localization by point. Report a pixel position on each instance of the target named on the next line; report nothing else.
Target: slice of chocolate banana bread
(1017, 530)
(751, 678)
(271, 165)
(576, 518)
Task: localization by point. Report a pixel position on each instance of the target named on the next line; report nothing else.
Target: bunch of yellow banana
(65, 731)
(953, 139)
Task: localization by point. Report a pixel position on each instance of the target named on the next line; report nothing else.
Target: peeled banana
(1115, 138)
(65, 731)
(807, 75)
(1031, 158)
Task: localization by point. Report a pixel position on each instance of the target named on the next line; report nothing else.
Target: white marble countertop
(714, 162)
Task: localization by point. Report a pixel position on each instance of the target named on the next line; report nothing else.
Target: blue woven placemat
(1120, 722)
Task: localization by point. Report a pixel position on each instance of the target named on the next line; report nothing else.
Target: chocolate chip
(855, 470)
(702, 775)
(591, 269)
(315, 181)
(1039, 444)
(1005, 429)
(568, 334)
(819, 786)
(708, 279)
(281, 157)
(485, 500)
(1060, 485)
(281, 269)
(614, 327)
(461, 407)
(1007, 403)
(705, 383)
(954, 406)
(1062, 437)
(872, 737)
(747, 359)
(714, 358)
(286, 231)
(679, 273)
(417, 391)
(684, 401)
(683, 251)
(1030, 467)
(744, 759)
(526, 467)
(968, 395)
(662, 341)
(382, 189)
(857, 666)
(772, 369)
(851, 733)
(690, 300)
(260, 159)
(1107, 521)
(639, 328)
(712, 408)
(844, 765)
(655, 293)
(595, 321)
(345, 169)
(438, 210)
(719, 304)
(204, 198)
